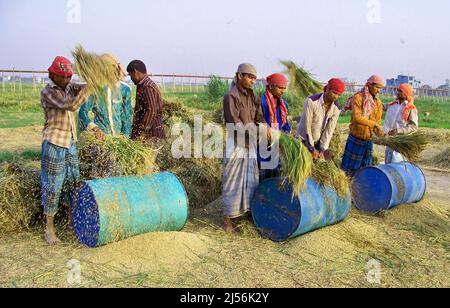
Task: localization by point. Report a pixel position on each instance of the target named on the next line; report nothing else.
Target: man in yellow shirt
(367, 111)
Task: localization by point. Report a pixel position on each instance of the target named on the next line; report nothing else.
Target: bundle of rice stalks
(301, 82)
(202, 178)
(410, 145)
(442, 160)
(96, 71)
(20, 206)
(296, 162)
(116, 156)
(327, 173)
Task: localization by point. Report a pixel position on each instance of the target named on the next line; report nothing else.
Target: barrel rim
(385, 207)
(188, 212)
(261, 230)
(424, 177)
(95, 238)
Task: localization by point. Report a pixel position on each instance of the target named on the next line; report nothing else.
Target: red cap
(62, 67)
(278, 80)
(336, 85)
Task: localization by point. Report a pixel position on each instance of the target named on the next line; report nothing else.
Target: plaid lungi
(240, 180)
(59, 166)
(358, 154)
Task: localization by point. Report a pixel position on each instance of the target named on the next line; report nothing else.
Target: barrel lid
(276, 214)
(86, 218)
(371, 190)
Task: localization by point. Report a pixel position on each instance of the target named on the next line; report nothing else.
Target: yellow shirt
(361, 127)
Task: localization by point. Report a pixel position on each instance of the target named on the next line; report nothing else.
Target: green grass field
(22, 109)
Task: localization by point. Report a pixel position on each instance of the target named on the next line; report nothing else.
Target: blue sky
(332, 38)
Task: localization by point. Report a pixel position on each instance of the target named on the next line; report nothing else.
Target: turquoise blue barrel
(384, 187)
(113, 209)
(280, 217)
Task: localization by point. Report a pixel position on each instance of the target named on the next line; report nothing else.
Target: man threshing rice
(60, 100)
(318, 122)
(367, 111)
(241, 176)
(148, 114)
(275, 110)
(111, 108)
(401, 118)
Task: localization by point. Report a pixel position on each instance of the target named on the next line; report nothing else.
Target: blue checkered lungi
(59, 166)
(358, 154)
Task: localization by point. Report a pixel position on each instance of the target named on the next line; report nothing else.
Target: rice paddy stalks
(296, 162)
(410, 145)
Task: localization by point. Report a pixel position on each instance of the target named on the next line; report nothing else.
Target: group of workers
(111, 113)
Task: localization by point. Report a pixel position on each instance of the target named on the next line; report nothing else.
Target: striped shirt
(60, 108)
(148, 113)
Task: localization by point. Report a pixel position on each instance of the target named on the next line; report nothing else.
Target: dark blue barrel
(279, 217)
(384, 187)
(110, 210)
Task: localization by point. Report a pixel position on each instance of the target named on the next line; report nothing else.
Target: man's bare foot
(228, 226)
(50, 233)
(51, 238)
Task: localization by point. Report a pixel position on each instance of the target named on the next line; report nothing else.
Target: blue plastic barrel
(110, 210)
(384, 187)
(279, 217)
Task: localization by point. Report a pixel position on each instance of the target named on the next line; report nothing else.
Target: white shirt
(317, 126)
(394, 119)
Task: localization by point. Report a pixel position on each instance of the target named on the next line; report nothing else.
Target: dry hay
(328, 174)
(20, 206)
(441, 160)
(437, 135)
(411, 145)
(202, 178)
(176, 112)
(116, 156)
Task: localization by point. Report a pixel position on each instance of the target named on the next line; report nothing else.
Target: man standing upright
(148, 114)
(60, 100)
(367, 111)
(401, 118)
(242, 109)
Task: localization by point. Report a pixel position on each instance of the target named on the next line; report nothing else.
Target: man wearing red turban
(275, 110)
(60, 100)
(401, 118)
(319, 119)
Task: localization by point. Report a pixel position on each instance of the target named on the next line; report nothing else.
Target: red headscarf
(61, 67)
(335, 85)
(281, 81)
(408, 90)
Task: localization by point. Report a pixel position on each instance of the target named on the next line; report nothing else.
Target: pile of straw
(296, 162)
(327, 173)
(411, 145)
(442, 160)
(176, 112)
(20, 206)
(116, 156)
(96, 71)
(202, 178)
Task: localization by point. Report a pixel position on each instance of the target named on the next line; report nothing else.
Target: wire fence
(29, 81)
